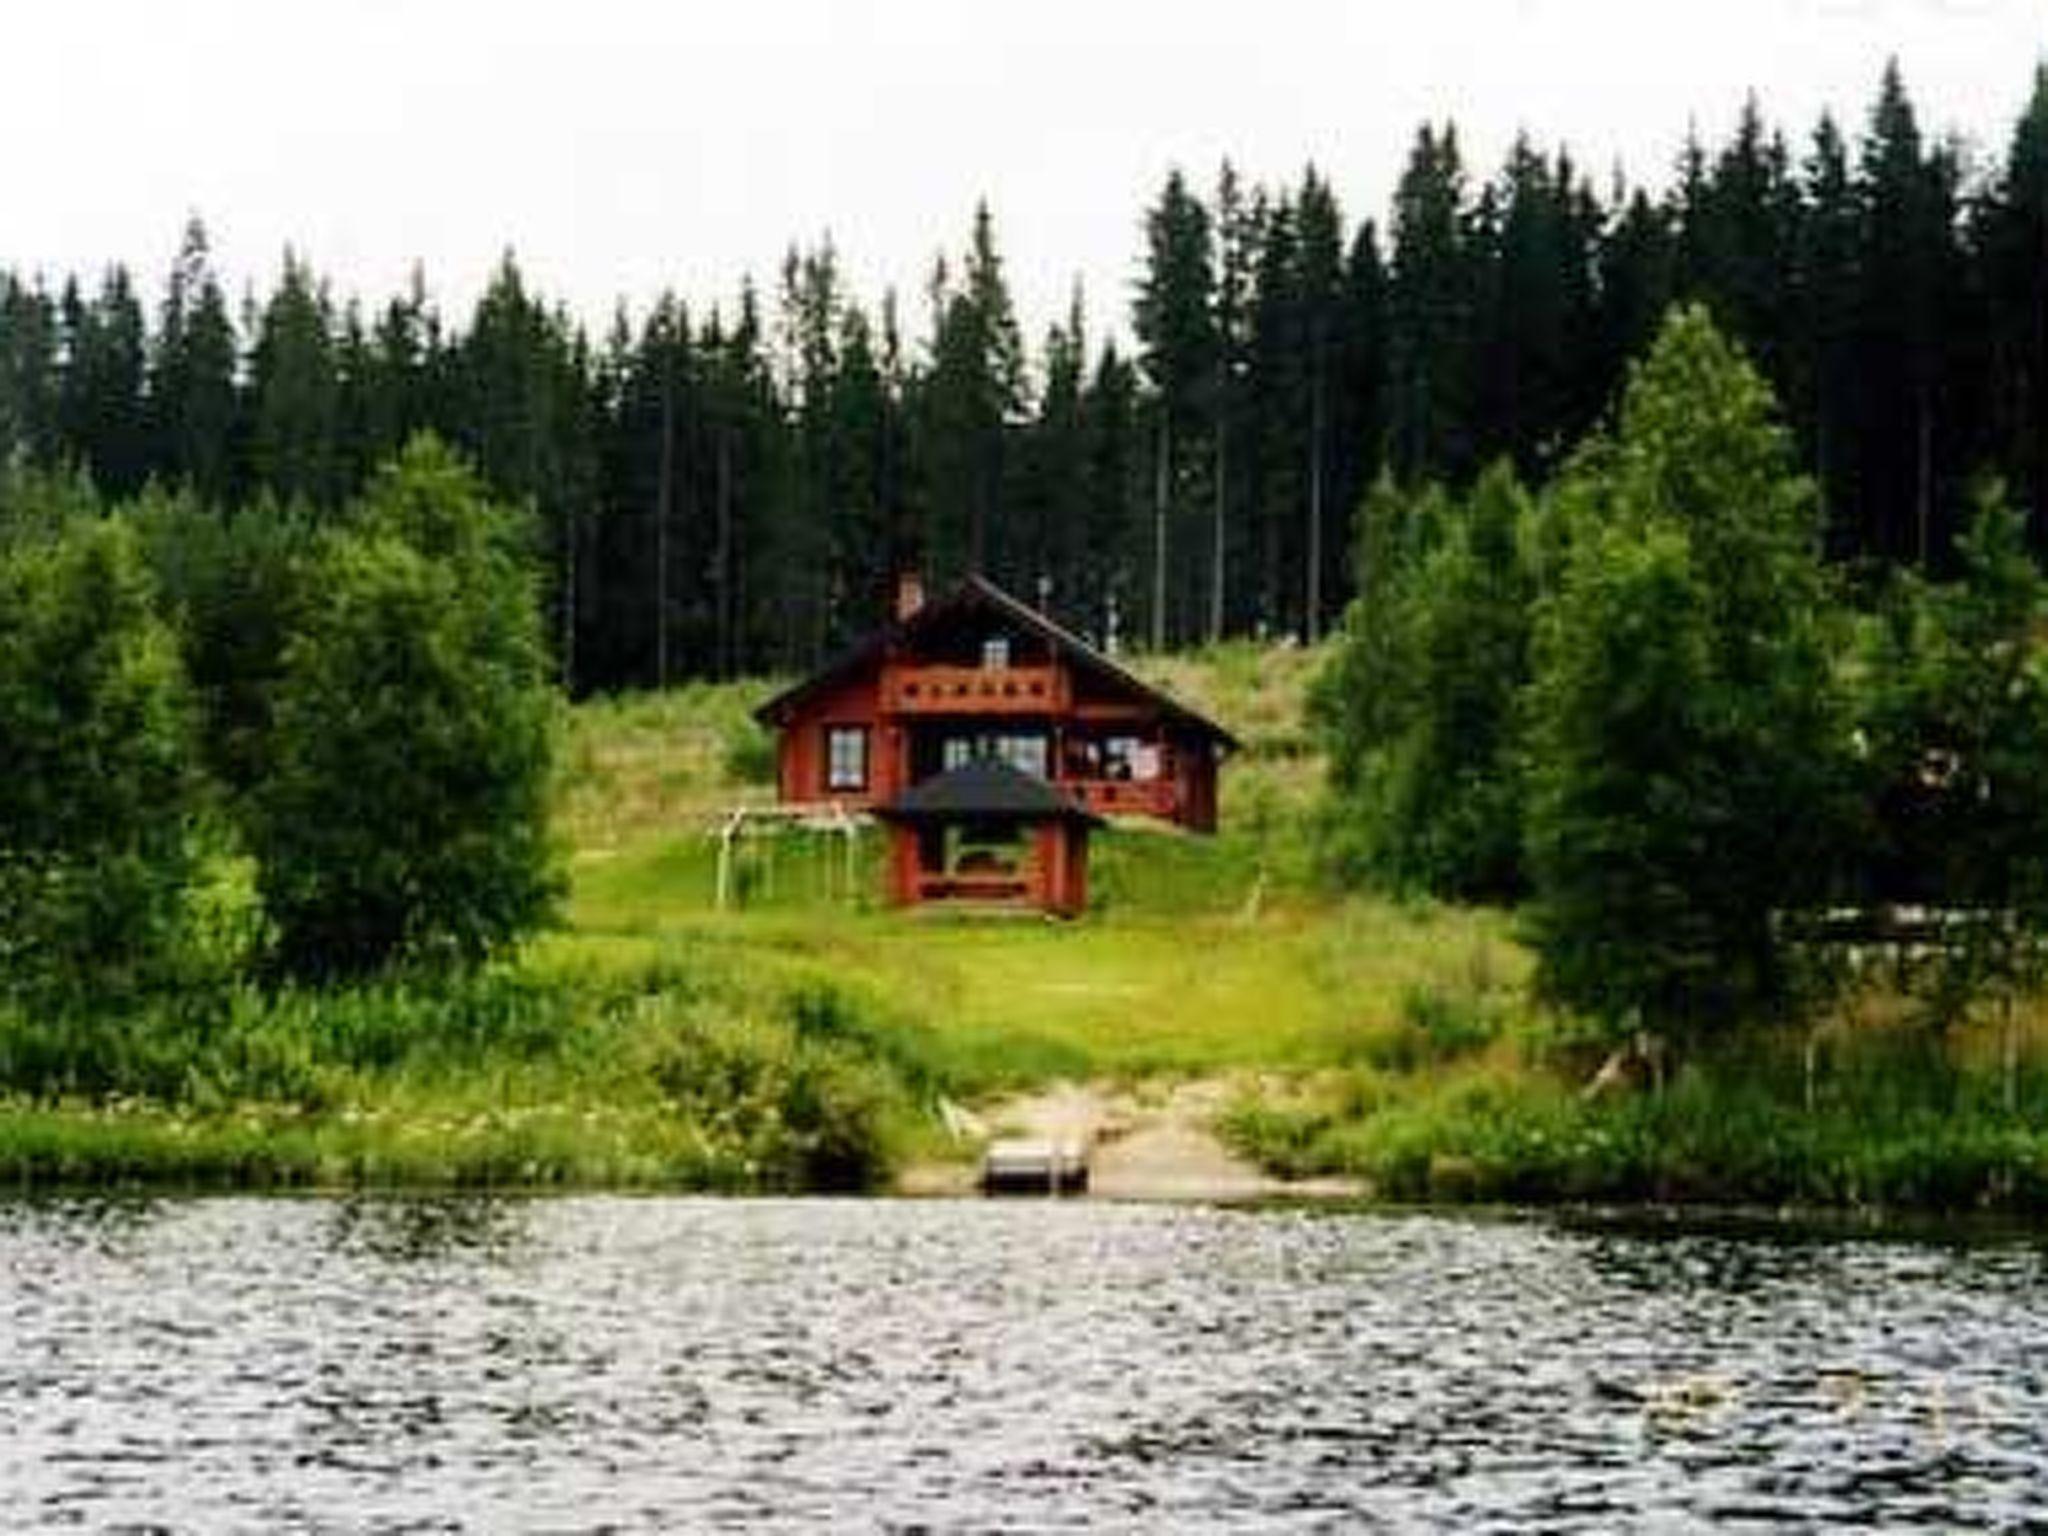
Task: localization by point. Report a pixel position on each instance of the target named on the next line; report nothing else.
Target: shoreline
(1807, 1223)
(1152, 1143)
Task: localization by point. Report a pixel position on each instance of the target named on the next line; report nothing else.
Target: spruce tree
(1748, 222)
(1525, 390)
(406, 372)
(2016, 252)
(1826, 281)
(1358, 427)
(295, 393)
(1906, 246)
(192, 388)
(1175, 319)
(1320, 294)
(863, 433)
(102, 404)
(968, 395)
(1636, 262)
(1052, 563)
(811, 305)
(1433, 364)
(1237, 235)
(1276, 390)
(31, 430)
(1116, 526)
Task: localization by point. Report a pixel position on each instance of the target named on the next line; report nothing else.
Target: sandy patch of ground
(1150, 1143)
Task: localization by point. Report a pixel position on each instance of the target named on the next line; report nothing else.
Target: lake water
(658, 1364)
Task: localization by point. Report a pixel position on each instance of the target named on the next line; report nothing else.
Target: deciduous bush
(1955, 725)
(98, 789)
(1689, 738)
(404, 815)
(1420, 709)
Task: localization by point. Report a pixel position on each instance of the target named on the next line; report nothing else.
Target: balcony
(973, 690)
(1125, 797)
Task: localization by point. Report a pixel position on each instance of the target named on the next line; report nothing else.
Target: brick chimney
(909, 594)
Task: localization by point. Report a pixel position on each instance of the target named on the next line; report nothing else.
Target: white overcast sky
(623, 147)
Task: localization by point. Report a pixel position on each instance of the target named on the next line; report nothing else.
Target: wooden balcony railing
(973, 690)
(1125, 797)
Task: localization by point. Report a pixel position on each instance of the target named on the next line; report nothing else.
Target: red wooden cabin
(974, 675)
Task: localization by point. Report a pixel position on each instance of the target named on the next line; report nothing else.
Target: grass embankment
(802, 1040)
(521, 1076)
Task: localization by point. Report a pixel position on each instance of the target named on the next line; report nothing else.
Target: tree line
(731, 489)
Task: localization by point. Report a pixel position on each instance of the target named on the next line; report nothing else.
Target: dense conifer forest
(729, 490)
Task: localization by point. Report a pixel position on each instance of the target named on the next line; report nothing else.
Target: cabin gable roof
(978, 594)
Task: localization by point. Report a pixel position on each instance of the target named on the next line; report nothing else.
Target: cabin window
(1119, 757)
(1027, 751)
(846, 757)
(995, 653)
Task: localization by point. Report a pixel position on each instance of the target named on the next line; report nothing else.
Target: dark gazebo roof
(986, 787)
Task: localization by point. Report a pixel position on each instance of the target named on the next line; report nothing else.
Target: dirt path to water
(1151, 1142)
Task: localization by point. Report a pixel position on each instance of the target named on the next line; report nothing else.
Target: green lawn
(1180, 969)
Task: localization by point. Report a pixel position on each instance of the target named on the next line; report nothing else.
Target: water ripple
(638, 1365)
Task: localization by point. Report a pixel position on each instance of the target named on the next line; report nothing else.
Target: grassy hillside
(1198, 954)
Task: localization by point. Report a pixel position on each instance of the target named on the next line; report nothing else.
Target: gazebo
(991, 835)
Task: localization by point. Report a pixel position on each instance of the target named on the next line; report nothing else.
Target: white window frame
(839, 774)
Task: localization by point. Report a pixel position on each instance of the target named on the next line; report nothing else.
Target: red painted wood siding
(801, 760)
(1185, 794)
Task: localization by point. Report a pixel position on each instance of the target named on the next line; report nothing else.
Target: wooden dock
(1046, 1167)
